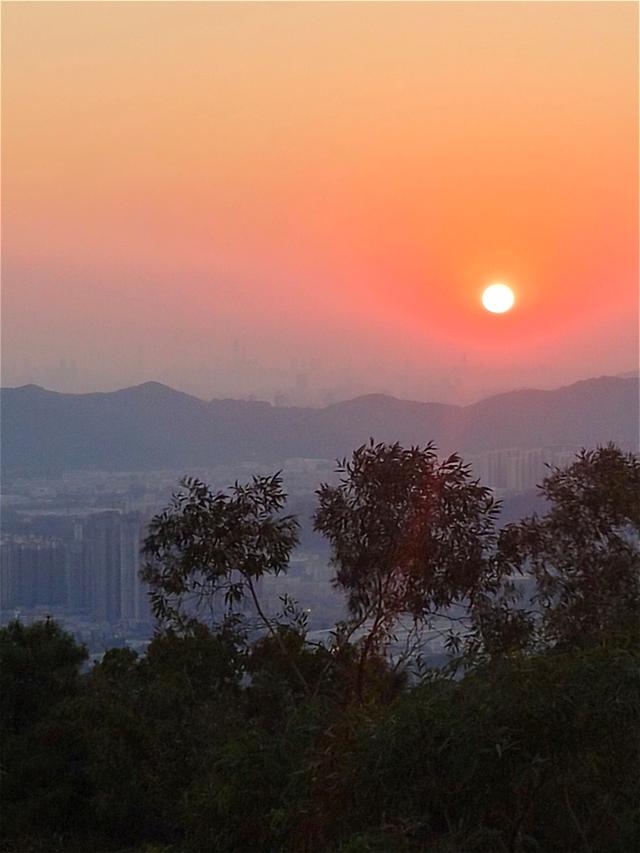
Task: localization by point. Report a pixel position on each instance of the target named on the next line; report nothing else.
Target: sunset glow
(228, 196)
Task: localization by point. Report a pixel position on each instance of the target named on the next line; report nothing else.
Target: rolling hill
(151, 426)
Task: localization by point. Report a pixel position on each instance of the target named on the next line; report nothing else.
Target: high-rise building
(33, 572)
(516, 469)
(92, 571)
(103, 534)
(134, 598)
(79, 587)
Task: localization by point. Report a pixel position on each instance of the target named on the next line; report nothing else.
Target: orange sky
(227, 196)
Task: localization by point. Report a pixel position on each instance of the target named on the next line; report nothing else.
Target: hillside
(152, 426)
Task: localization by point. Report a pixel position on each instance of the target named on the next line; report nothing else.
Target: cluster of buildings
(72, 548)
(88, 573)
(89, 580)
(516, 470)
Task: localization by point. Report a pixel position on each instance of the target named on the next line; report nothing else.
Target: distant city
(70, 547)
(84, 474)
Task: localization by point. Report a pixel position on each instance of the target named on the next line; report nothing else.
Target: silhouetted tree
(584, 553)
(41, 760)
(209, 549)
(215, 740)
(411, 536)
(209, 546)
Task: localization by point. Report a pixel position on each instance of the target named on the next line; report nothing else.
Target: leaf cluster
(208, 547)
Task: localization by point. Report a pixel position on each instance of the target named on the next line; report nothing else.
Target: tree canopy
(211, 547)
(583, 553)
(223, 738)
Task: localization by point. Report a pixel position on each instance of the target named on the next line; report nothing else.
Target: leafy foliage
(583, 554)
(221, 739)
(39, 680)
(407, 527)
(411, 536)
(532, 753)
(206, 546)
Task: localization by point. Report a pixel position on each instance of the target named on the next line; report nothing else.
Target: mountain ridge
(152, 425)
(152, 384)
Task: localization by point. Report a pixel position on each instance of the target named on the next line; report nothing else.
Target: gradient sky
(309, 197)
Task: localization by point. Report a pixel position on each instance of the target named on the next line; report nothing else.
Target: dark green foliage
(222, 740)
(39, 668)
(533, 753)
(158, 723)
(42, 763)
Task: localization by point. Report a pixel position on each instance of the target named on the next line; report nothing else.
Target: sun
(498, 298)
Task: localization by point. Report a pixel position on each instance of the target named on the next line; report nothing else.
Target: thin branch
(275, 634)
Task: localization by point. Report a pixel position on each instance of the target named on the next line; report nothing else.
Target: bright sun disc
(498, 298)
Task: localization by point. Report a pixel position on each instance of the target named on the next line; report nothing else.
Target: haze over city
(281, 200)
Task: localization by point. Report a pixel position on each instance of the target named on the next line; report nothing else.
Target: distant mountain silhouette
(151, 426)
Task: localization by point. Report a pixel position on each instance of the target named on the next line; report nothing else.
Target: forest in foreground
(240, 735)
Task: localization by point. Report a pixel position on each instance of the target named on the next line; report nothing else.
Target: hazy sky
(242, 198)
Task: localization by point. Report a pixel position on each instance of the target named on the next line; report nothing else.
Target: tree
(154, 725)
(583, 553)
(39, 666)
(210, 546)
(41, 758)
(411, 536)
(538, 752)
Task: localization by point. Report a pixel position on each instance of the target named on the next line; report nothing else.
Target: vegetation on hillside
(243, 736)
